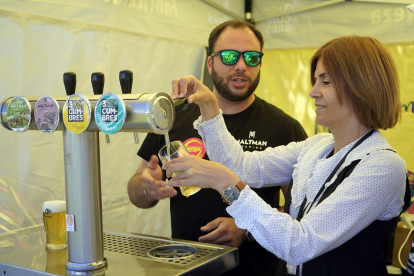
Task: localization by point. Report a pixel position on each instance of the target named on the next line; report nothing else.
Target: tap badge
(46, 114)
(195, 147)
(76, 113)
(19, 114)
(110, 113)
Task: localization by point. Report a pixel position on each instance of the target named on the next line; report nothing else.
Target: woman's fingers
(183, 87)
(197, 172)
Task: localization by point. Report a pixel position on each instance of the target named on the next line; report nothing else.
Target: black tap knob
(125, 78)
(69, 79)
(98, 81)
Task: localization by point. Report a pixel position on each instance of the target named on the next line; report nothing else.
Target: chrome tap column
(83, 200)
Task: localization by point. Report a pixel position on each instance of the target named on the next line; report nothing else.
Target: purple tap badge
(46, 114)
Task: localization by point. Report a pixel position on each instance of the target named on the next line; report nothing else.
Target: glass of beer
(173, 150)
(54, 219)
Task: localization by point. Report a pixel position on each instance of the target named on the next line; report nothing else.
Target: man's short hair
(363, 69)
(235, 24)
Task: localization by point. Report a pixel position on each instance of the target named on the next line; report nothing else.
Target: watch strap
(240, 185)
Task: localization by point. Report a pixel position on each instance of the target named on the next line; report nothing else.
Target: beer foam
(55, 206)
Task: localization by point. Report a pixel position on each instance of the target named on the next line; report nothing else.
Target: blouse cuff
(199, 123)
(248, 207)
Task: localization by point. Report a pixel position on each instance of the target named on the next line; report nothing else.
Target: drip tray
(127, 254)
(156, 249)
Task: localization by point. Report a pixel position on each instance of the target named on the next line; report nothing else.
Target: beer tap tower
(82, 173)
(145, 113)
(81, 118)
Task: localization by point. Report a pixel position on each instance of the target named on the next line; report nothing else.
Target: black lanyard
(302, 207)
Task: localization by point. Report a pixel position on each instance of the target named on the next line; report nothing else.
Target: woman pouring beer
(347, 188)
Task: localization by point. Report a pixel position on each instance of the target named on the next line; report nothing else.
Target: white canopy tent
(158, 40)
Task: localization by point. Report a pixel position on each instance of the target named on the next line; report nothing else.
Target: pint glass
(54, 219)
(176, 149)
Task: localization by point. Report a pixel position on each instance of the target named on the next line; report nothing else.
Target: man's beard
(222, 87)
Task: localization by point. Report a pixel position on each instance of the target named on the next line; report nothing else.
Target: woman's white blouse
(374, 191)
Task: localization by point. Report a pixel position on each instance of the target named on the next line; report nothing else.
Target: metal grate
(139, 247)
(172, 252)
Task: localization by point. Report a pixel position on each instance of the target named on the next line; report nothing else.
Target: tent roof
(285, 24)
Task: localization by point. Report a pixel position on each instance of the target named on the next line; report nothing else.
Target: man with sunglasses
(235, 57)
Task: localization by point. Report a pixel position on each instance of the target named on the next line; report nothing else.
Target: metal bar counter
(127, 254)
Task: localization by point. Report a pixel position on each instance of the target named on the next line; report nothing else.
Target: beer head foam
(54, 206)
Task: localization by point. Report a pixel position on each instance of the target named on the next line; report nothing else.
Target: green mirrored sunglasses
(231, 57)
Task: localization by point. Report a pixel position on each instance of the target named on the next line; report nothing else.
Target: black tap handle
(69, 79)
(98, 81)
(125, 78)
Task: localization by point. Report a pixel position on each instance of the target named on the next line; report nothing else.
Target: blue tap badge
(110, 113)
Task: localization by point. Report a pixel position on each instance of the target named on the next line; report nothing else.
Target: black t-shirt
(259, 126)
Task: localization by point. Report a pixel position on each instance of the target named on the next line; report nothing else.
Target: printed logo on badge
(195, 147)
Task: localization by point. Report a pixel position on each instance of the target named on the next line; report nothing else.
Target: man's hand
(224, 232)
(152, 182)
(146, 187)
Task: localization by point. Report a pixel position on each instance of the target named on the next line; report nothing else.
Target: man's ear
(209, 64)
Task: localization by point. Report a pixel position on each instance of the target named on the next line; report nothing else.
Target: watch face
(231, 194)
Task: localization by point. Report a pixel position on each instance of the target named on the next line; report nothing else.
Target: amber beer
(176, 149)
(54, 219)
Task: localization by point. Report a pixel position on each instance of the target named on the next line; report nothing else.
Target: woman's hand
(196, 92)
(197, 172)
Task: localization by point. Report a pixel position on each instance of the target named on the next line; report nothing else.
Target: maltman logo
(195, 147)
(251, 143)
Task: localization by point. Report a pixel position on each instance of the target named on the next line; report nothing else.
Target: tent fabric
(296, 24)
(390, 22)
(158, 41)
(167, 19)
